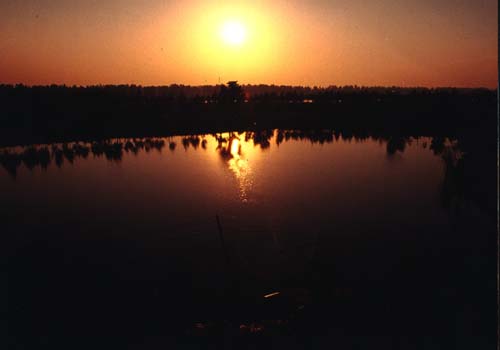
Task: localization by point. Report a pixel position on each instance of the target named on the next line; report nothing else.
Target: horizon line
(319, 87)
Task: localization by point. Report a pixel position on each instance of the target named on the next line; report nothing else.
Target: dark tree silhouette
(233, 92)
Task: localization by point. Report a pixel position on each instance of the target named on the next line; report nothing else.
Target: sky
(295, 42)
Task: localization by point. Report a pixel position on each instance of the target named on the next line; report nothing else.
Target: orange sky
(384, 42)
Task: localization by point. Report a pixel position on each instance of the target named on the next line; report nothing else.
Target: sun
(233, 33)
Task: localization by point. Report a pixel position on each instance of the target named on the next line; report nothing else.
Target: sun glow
(233, 42)
(233, 32)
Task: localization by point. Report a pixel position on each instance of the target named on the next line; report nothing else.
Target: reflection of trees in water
(438, 145)
(460, 182)
(395, 144)
(322, 136)
(466, 174)
(225, 146)
(112, 150)
(279, 137)
(10, 162)
(467, 170)
(33, 156)
(469, 180)
(191, 141)
(469, 176)
(194, 141)
(452, 189)
(263, 138)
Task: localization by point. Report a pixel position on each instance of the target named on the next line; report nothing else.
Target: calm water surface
(365, 214)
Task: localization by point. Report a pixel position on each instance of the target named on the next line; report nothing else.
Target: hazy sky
(335, 42)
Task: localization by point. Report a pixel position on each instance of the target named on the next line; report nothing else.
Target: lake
(372, 236)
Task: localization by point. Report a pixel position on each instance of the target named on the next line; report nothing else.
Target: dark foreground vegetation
(60, 113)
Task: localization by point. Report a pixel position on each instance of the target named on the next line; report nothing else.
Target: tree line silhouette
(45, 114)
(250, 91)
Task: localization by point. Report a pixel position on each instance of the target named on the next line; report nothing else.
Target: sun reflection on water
(238, 164)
